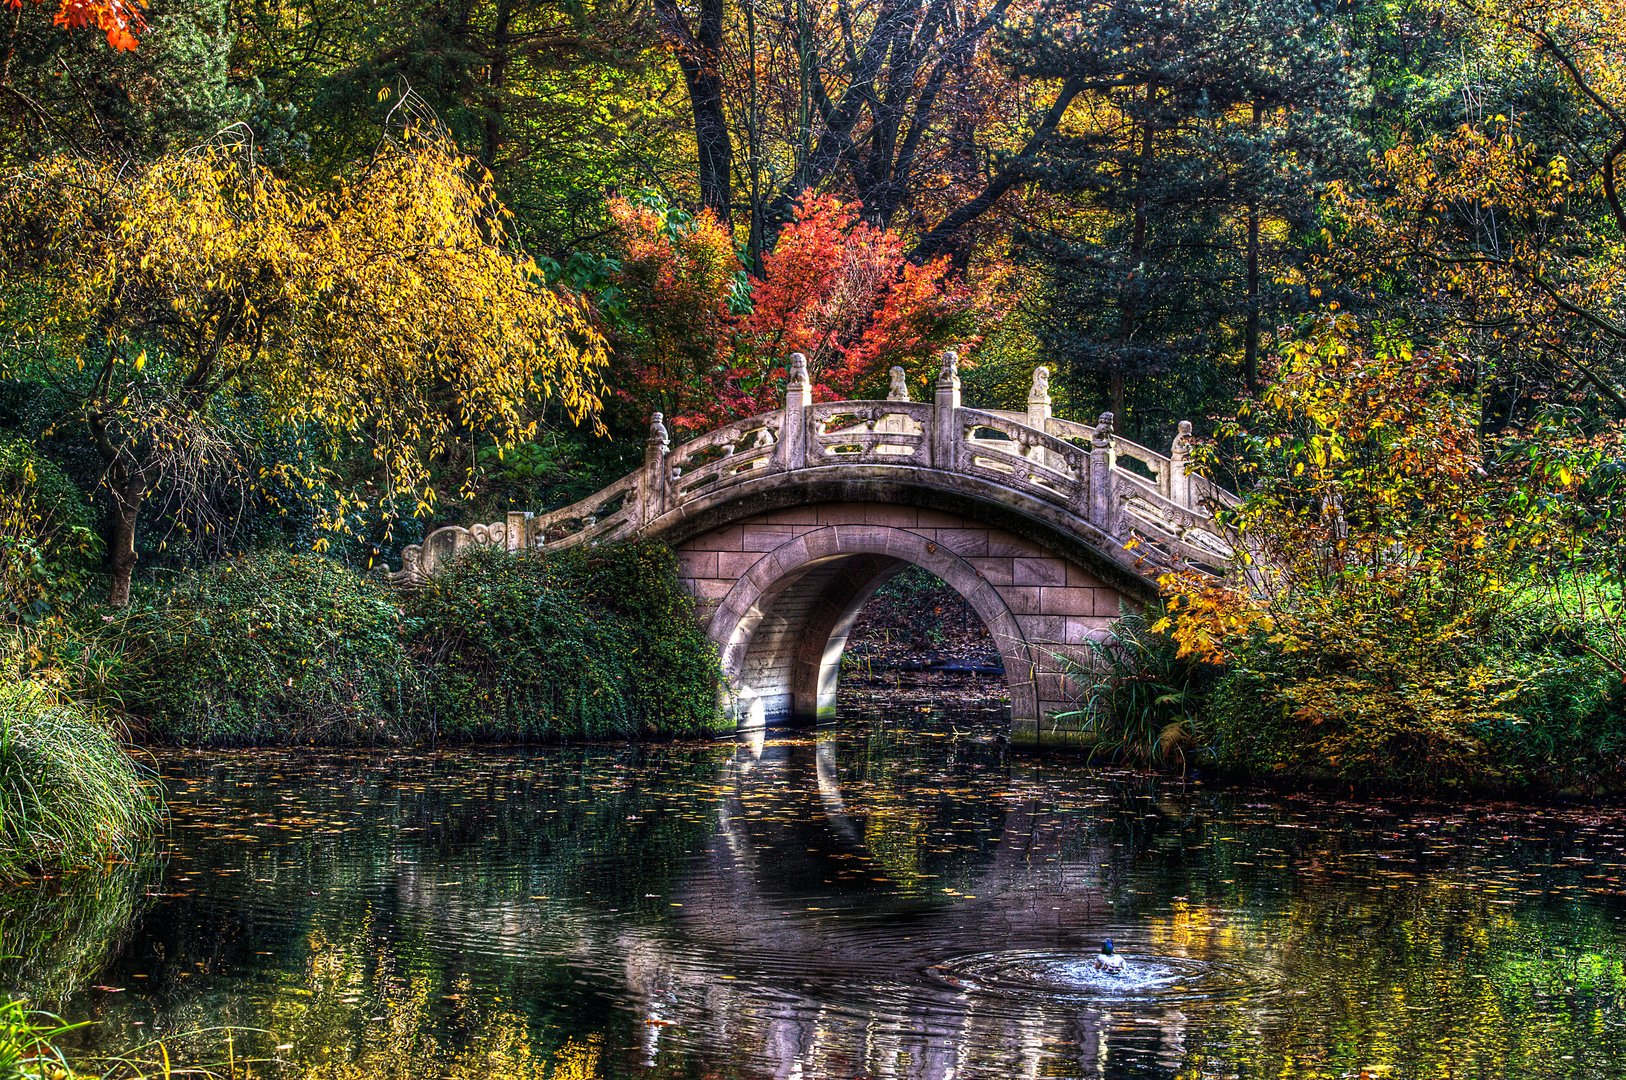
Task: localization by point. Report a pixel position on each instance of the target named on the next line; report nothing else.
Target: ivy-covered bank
(276, 649)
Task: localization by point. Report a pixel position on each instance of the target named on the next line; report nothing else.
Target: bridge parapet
(1122, 490)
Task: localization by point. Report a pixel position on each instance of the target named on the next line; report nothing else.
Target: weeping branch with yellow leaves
(394, 308)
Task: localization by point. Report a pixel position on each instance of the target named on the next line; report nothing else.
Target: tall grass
(1140, 702)
(69, 794)
(28, 1049)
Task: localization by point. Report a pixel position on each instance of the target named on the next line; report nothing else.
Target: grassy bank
(69, 794)
(278, 649)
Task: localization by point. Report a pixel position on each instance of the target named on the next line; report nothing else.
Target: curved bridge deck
(787, 521)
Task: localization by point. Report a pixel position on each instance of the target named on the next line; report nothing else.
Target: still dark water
(873, 902)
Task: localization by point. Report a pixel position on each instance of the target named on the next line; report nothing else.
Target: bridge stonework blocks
(785, 523)
(780, 591)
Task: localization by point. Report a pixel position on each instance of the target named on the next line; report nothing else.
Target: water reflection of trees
(56, 935)
(778, 910)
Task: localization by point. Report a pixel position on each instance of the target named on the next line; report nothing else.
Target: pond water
(895, 897)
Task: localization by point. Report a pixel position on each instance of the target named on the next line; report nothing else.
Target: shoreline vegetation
(599, 643)
(279, 291)
(279, 650)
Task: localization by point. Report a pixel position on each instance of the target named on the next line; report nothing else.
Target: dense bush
(265, 649)
(1557, 723)
(591, 642)
(69, 794)
(1567, 729)
(1384, 598)
(48, 545)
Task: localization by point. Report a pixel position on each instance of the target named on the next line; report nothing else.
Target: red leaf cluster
(120, 20)
(835, 288)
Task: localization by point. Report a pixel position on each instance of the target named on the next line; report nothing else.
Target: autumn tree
(843, 293)
(392, 308)
(670, 315)
(1504, 233)
(1376, 588)
(1182, 171)
(895, 105)
(697, 338)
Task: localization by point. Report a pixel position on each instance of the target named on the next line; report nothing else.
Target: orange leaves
(840, 290)
(121, 20)
(835, 288)
(1379, 570)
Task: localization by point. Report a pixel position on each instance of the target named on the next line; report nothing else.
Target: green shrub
(1561, 726)
(69, 794)
(591, 642)
(49, 549)
(1567, 728)
(267, 649)
(1141, 702)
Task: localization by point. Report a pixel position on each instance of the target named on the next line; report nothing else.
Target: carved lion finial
(899, 390)
(1039, 392)
(951, 367)
(1182, 438)
(657, 432)
(1104, 429)
(798, 368)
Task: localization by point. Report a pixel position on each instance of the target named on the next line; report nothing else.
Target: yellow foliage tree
(394, 308)
(1508, 230)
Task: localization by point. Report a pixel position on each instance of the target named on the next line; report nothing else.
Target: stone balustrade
(1120, 490)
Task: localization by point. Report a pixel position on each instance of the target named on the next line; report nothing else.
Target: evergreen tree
(62, 91)
(1178, 181)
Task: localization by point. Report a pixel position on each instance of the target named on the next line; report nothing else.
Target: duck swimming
(1109, 962)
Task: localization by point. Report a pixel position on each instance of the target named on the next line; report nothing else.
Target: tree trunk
(121, 553)
(496, 84)
(1250, 333)
(1129, 299)
(699, 57)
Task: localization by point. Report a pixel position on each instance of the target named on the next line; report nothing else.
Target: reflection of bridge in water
(803, 948)
(787, 522)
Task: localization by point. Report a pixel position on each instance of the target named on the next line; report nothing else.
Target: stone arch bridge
(787, 522)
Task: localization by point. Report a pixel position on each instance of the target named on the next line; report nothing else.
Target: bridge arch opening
(783, 627)
(917, 642)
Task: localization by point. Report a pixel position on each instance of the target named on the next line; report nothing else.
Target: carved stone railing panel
(1002, 449)
(738, 438)
(591, 517)
(1130, 493)
(869, 432)
(721, 471)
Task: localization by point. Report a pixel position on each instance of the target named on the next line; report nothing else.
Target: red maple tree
(835, 288)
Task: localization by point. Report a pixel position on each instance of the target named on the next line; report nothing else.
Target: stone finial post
(1103, 493)
(793, 425)
(899, 390)
(945, 433)
(1180, 486)
(1039, 409)
(1039, 398)
(517, 531)
(657, 473)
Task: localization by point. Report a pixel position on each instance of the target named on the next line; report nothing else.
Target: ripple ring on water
(1073, 976)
